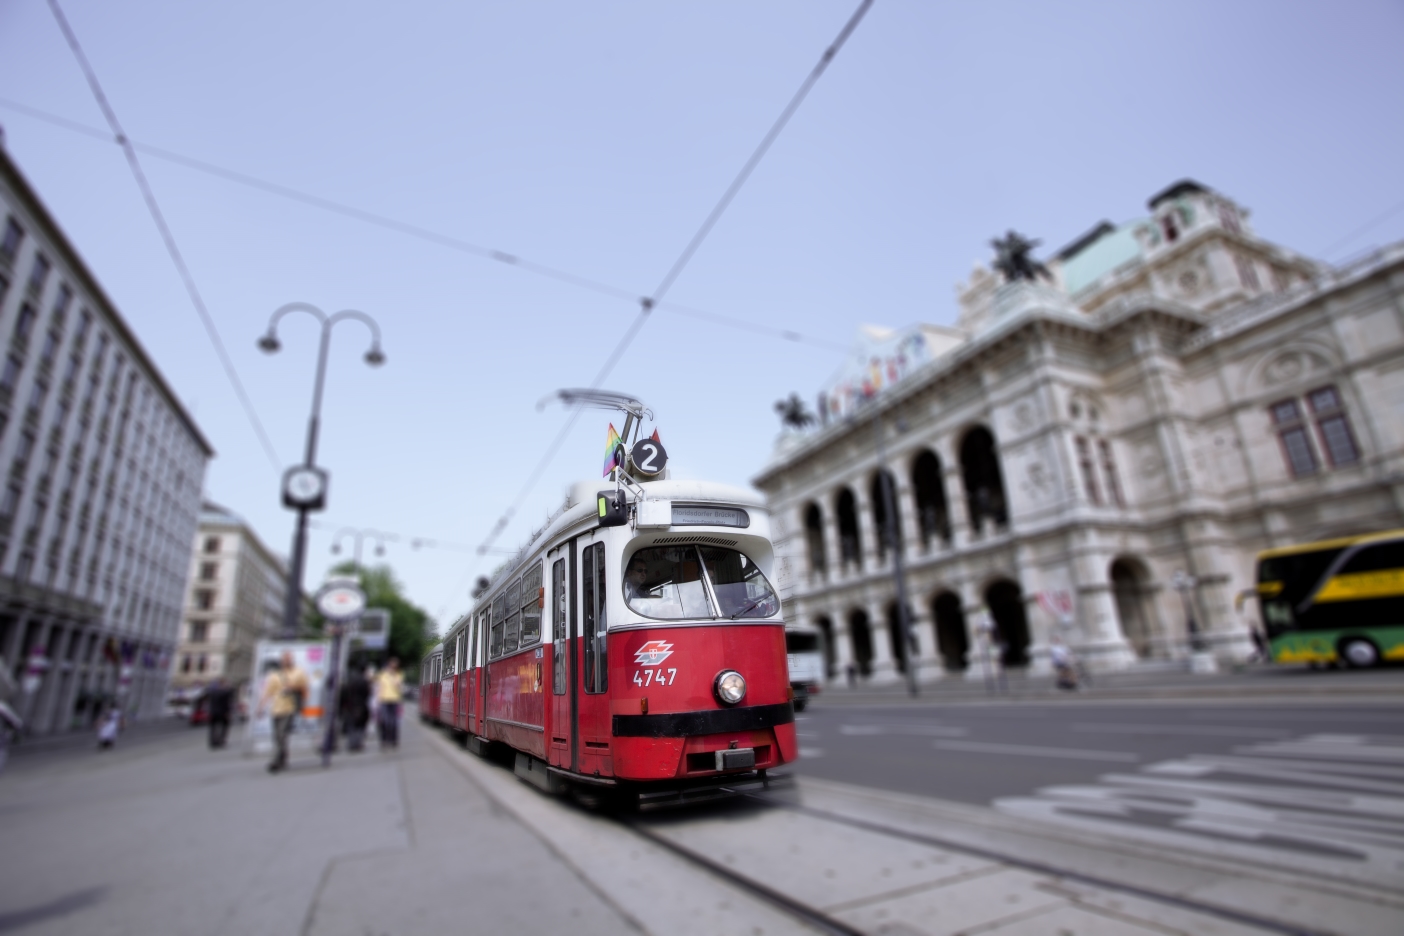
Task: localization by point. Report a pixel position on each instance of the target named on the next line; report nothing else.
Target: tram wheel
(1359, 652)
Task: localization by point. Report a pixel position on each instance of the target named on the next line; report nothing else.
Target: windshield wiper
(749, 607)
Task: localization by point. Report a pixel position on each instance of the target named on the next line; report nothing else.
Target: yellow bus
(1338, 600)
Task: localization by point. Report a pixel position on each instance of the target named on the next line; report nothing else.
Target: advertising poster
(312, 657)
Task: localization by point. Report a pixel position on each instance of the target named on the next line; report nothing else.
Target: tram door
(460, 680)
(593, 718)
(475, 686)
(561, 749)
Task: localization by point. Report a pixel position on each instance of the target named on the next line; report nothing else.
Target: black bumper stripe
(716, 721)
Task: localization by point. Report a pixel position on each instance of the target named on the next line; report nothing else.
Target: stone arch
(861, 635)
(888, 530)
(952, 634)
(1005, 599)
(984, 482)
(826, 639)
(850, 547)
(1130, 582)
(933, 518)
(1286, 364)
(814, 539)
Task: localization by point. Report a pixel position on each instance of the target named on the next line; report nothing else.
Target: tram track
(673, 831)
(824, 922)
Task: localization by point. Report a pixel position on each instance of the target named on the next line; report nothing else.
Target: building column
(833, 550)
(928, 657)
(884, 668)
(956, 506)
(81, 651)
(911, 523)
(867, 533)
(56, 679)
(843, 648)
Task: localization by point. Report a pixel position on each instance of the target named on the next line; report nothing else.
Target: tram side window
(596, 624)
(531, 605)
(499, 617)
(558, 627)
(514, 617)
(473, 642)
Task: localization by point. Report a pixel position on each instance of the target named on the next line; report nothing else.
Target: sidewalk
(176, 838)
(1257, 681)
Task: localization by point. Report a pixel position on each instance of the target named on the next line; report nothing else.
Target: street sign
(373, 629)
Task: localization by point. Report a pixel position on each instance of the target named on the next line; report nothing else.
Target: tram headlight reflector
(730, 687)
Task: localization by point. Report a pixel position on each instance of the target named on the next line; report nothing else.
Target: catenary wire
(647, 304)
(414, 230)
(166, 235)
(1367, 226)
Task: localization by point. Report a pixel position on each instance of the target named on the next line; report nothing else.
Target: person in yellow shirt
(284, 690)
(389, 692)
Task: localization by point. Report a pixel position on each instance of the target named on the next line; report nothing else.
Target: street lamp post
(304, 486)
(1184, 584)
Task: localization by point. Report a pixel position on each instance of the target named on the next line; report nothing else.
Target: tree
(411, 628)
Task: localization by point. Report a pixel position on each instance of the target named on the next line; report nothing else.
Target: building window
(10, 244)
(199, 631)
(85, 321)
(208, 571)
(1109, 469)
(185, 663)
(201, 666)
(61, 303)
(1296, 441)
(212, 544)
(10, 500)
(25, 323)
(1333, 427)
(9, 374)
(204, 599)
(39, 273)
(1089, 471)
(1170, 228)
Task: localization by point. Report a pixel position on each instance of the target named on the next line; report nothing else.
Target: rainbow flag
(614, 450)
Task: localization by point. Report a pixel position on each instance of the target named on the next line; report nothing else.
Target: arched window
(814, 537)
(849, 549)
(984, 484)
(889, 529)
(1006, 603)
(952, 636)
(933, 518)
(862, 637)
(1128, 581)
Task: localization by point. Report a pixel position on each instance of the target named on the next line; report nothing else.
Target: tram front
(699, 686)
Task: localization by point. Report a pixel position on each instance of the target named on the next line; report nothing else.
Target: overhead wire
(647, 304)
(414, 230)
(167, 237)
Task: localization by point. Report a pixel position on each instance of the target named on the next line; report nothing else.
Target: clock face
(341, 602)
(305, 485)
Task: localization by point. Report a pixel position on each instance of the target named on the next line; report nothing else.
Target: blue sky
(595, 139)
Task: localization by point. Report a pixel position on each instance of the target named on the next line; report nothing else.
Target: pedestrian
(219, 700)
(355, 709)
(1064, 666)
(389, 690)
(1262, 651)
(852, 676)
(109, 726)
(284, 690)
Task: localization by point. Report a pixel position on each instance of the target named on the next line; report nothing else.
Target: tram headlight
(729, 686)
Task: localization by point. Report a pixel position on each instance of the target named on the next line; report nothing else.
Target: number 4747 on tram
(633, 650)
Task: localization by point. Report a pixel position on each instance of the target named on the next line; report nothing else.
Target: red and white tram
(430, 671)
(635, 643)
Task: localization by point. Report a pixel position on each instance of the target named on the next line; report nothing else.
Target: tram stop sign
(341, 599)
(373, 629)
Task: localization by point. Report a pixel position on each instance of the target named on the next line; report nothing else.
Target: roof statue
(793, 413)
(1013, 260)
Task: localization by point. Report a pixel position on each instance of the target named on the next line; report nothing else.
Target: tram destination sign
(692, 515)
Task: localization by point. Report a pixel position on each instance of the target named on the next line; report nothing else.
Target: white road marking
(1211, 731)
(1327, 816)
(925, 731)
(810, 751)
(1032, 750)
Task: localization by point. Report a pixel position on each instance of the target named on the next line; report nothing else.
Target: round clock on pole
(341, 599)
(305, 488)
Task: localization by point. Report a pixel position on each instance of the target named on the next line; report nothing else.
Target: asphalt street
(1319, 784)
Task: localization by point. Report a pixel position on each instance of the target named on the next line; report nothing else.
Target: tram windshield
(674, 582)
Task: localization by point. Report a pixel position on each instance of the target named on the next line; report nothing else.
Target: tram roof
(1338, 543)
(580, 505)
